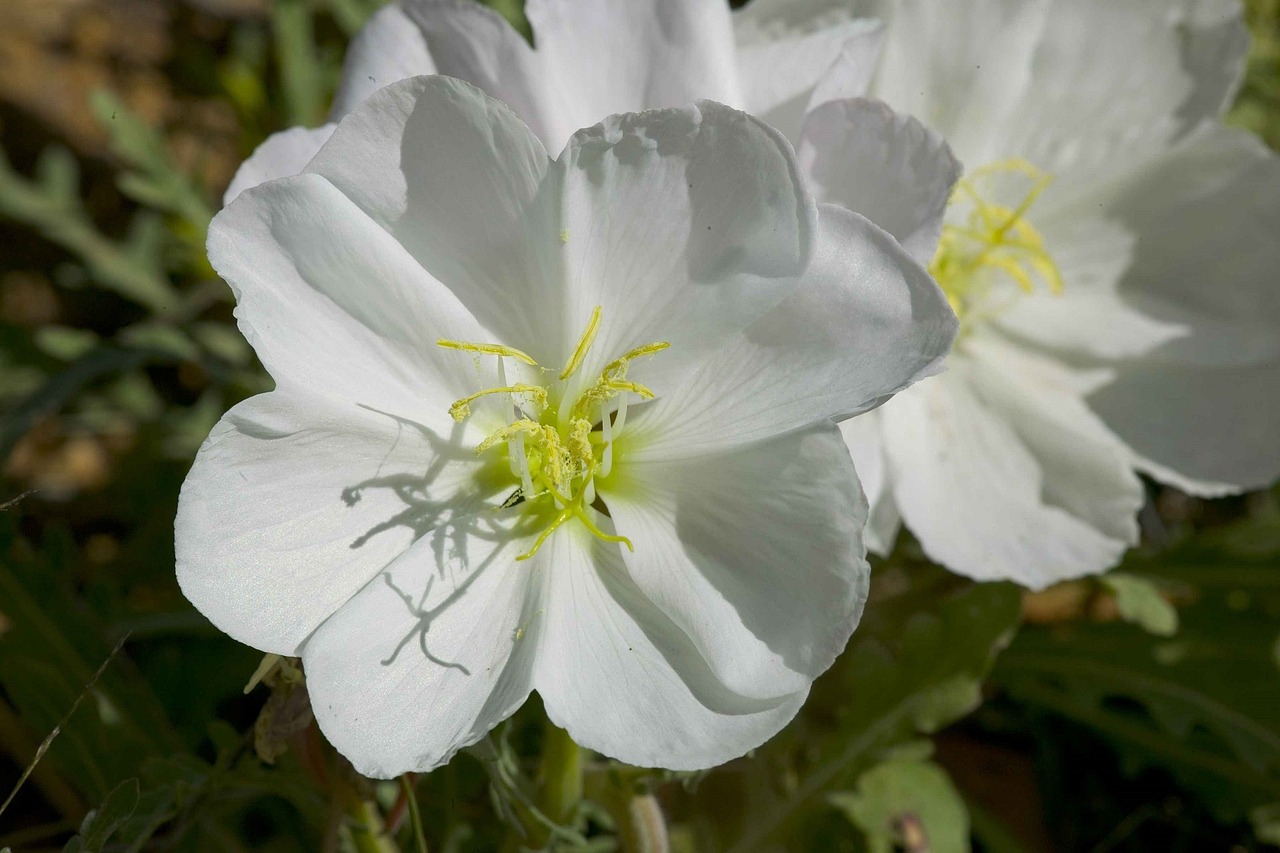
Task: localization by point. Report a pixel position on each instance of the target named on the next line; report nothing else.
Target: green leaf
(161, 338)
(1203, 707)
(301, 73)
(51, 206)
(513, 11)
(1140, 602)
(52, 647)
(904, 802)
(101, 823)
(153, 178)
(59, 389)
(65, 343)
(914, 665)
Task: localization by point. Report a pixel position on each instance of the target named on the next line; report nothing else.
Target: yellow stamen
(510, 431)
(488, 349)
(461, 409)
(995, 238)
(559, 456)
(584, 344)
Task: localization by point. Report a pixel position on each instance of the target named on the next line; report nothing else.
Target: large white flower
(594, 58)
(546, 425)
(1123, 322)
(1112, 258)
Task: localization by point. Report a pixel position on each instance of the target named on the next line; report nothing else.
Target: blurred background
(1139, 712)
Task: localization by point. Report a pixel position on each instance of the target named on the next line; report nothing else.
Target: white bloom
(594, 58)
(1145, 331)
(460, 490)
(1148, 339)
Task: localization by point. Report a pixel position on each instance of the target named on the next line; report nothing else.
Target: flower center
(556, 452)
(987, 246)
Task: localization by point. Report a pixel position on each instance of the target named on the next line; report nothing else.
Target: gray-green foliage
(103, 822)
(1200, 705)
(1140, 602)
(914, 665)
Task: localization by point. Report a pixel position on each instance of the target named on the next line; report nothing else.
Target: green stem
(415, 816)
(560, 782)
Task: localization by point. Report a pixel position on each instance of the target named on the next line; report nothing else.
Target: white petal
(971, 485)
(784, 53)
(472, 42)
(282, 154)
(1198, 410)
(432, 653)
(755, 555)
(1207, 430)
(684, 225)
(1152, 70)
(624, 680)
(893, 170)
(958, 67)
(866, 446)
(1204, 216)
(389, 47)
(1214, 50)
(612, 56)
(294, 502)
(592, 59)
(331, 303)
(865, 321)
(1086, 469)
(1089, 316)
(851, 74)
(454, 176)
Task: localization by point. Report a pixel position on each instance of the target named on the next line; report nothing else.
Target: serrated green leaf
(903, 801)
(101, 823)
(58, 173)
(153, 179)
(1140, 602)
(46, 206)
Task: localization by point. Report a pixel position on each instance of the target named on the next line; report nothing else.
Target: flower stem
(415, 816)
(560, 781)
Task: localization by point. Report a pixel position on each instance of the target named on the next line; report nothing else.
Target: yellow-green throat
(556, 453)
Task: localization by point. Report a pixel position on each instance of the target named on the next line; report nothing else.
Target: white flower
(1126, 317)
(1124, 322)
(460, 490)
(594, 58)
(798, 67)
